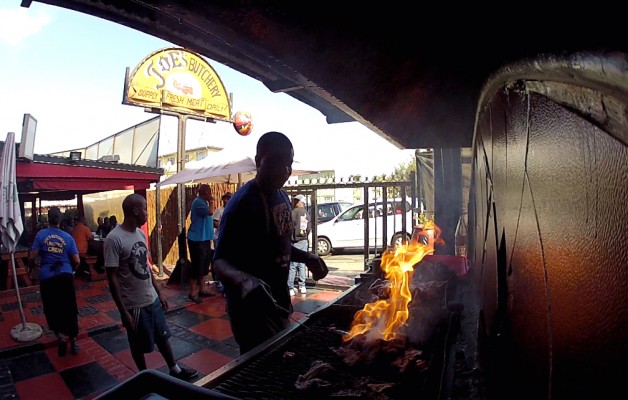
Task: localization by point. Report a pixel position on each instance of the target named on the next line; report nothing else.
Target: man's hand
(317, 267)
(164, 302)
(127, 322)
(247, 285)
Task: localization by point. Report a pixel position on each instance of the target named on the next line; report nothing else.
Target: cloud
(17, 24)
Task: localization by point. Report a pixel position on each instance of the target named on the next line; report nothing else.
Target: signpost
(178, 82)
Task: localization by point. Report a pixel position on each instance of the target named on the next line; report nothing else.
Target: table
(21, 267)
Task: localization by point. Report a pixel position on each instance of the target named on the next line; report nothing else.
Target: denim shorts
(150, 324)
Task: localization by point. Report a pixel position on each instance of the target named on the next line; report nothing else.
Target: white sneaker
(302, 290)
(292, 293)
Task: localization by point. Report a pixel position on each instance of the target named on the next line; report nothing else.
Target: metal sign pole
(180, 167)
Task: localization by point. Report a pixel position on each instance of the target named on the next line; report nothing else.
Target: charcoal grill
(268, 372)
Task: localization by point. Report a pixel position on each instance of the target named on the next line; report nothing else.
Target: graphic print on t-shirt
(282, 215)
(137, 261)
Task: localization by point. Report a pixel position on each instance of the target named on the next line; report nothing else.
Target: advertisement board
(178, 80)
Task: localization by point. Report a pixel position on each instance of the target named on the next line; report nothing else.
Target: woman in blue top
(58, 258)
(200, 236)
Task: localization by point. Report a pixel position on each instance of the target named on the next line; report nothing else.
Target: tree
(403, 172)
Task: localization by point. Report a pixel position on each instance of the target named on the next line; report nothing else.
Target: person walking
(200, 236)
(254, 248)
(302, 227)
(135, 291)
(55, 251)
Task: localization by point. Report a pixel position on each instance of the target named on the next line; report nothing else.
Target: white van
(346, 230)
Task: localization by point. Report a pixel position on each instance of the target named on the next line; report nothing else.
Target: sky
(67, 70)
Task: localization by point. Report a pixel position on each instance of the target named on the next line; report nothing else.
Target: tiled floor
(201, 339)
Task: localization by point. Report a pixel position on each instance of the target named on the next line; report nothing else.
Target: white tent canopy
(226, 166)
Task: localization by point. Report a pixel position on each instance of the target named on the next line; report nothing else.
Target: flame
(384, 318)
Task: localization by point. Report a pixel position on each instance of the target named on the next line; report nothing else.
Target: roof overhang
(58, 178)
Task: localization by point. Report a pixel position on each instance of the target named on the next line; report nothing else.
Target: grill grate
(271, 375)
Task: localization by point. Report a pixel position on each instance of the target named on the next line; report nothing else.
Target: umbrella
(226, 167)
(12, 228)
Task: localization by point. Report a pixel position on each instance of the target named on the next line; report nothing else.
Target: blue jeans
(300, 267)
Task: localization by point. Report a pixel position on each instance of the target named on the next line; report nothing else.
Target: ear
(257, 157)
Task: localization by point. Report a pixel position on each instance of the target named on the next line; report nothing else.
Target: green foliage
(423, 219)
(403, 172)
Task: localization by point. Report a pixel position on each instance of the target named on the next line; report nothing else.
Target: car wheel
(324, 246)
(397, 240)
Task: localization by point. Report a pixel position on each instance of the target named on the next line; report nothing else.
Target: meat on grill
(394, 356)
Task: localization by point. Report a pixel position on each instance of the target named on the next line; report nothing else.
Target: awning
(51, 177)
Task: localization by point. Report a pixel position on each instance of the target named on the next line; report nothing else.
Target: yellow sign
(178, 80)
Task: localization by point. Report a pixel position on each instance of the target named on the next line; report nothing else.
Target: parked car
(346, 230)
(327, 211)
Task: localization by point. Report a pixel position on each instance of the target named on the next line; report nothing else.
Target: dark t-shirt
(255, 236)
(301, 221)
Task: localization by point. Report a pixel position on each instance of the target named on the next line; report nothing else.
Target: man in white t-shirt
(217, 215)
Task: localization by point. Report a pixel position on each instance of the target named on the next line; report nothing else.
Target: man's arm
(116, 294)
(75, 261)
(313, 262)
(162, 300)
(32, 255)
(229, 275)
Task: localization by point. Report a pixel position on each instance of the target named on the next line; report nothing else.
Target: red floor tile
(205, 361)
(101, 319)
(49, 386)
(215, 328)
(105, 306)
(297, 318)
(325, 296)
(69, 360)
(154, 360)
(214, 307)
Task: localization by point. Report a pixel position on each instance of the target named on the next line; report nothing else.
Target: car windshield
(325, 211)
(352, 213)
(357, 211)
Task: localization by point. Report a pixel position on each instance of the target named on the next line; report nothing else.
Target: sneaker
(292, 292)
(185, 374)
(302, 290)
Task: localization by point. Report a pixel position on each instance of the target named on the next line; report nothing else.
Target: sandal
(195, 299)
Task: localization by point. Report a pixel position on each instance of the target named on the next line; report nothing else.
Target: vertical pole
(180, 166)
(160, 261)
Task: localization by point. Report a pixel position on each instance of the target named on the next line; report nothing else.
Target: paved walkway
(201, 338)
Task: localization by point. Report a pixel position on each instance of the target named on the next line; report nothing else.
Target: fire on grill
(385, 338)
(382, 336)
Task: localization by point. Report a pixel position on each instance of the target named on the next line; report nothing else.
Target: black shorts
(150, 324)
(200, 258)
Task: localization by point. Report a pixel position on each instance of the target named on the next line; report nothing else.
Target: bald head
(134, 209)
(273, 160)
(272, 141)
